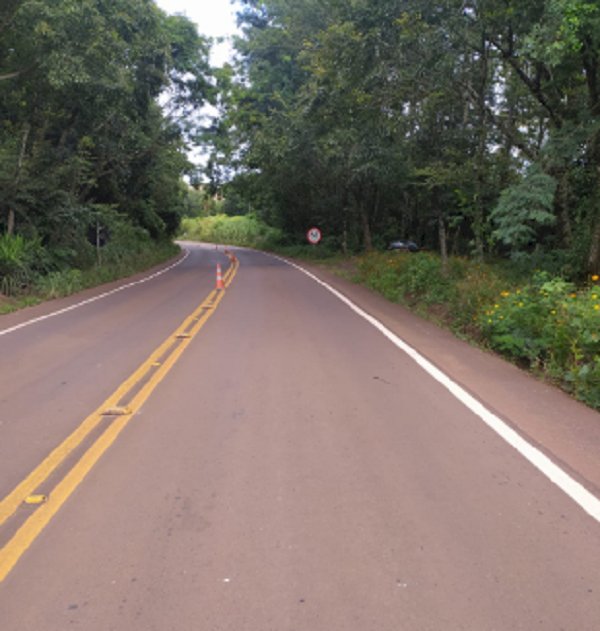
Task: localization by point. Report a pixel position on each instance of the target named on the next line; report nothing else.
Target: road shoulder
(565, 429)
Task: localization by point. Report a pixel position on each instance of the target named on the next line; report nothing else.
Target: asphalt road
(279, 464)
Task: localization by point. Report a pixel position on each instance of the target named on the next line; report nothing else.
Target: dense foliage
(472, 127)
(242, 230)
(88, 157)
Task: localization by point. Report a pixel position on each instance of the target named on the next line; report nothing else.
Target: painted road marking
(576, 491)
(35, 499)
(31, 528)
(94, 299)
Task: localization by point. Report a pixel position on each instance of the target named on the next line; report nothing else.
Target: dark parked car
(409, 246)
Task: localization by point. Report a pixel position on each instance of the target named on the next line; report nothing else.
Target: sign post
(314, 236)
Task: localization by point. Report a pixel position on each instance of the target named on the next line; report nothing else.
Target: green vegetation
(454, 297)
(251, 232)
(554, 328)
(545, 324)
(246, 231)
(90, 163)
(472, 128)
(125, 255)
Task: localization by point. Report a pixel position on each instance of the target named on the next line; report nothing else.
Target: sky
(215, 18)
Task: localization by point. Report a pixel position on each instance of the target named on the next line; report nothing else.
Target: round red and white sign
(314, 236)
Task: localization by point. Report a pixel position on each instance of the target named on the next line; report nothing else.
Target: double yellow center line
(120, 406)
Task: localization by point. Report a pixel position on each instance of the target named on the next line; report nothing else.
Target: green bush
(20, 260)
(476, 288)
(414, 279)
(242, 230)
(422, 277)
(24, 264)
(553, 327)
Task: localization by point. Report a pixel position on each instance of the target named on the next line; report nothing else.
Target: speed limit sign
(313, 236)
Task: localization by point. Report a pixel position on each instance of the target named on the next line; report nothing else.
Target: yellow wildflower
(595, 277)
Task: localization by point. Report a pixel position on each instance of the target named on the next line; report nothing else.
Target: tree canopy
(472, 127)
(83, 134)
(469, 126)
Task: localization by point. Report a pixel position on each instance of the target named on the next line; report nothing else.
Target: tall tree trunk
(443, 238)
(24, 139)
(562, 208)
(404, 215)
(594, 255)
(482, 147)
(478, 210)
(594, 252)
(10, 224)
(358, 197)
(343, 193)
(366, 228)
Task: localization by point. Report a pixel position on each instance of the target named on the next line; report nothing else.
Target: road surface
(264, 458)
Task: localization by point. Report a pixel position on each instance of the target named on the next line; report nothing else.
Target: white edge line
(94, 299)
(576, 491)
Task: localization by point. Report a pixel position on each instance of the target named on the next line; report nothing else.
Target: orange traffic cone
(220, 283)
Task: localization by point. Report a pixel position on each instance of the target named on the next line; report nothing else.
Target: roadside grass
(118, 262)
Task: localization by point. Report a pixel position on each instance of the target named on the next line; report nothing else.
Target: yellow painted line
(31, 528)
(12, 501)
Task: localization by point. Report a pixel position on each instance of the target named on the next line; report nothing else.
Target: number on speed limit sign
(313, 236)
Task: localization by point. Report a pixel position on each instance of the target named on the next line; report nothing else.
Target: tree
(427, 119)
(82, 128)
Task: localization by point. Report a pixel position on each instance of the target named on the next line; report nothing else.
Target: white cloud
(215, 18)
